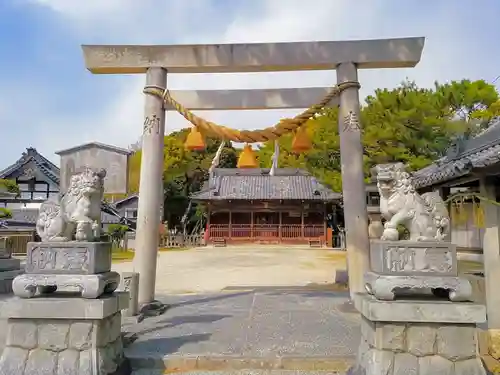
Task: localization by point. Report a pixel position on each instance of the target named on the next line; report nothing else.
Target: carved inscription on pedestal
(65, 258)
(408, 260)
(46, 259)
(127, 281)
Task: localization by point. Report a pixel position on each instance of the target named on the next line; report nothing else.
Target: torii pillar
(345, 56)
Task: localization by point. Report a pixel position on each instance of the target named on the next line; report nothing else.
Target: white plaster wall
(116, 165)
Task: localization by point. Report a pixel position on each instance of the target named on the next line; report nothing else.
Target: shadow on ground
(263, 323)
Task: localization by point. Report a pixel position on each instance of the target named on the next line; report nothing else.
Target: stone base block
(90, 286)
(153, 308)
(130, 283)
(52, 336)
(6, 278)
(421, 343)
(420, 311)
(10, 264)
(81, 258)
(385, 287)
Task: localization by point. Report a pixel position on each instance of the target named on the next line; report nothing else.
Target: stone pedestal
(9, 268)
(409, 267)
(67, 266)
(66, 335)
(418, 337)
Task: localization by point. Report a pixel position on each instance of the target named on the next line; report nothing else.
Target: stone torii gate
(344, 56)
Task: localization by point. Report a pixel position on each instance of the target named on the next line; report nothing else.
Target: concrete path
(295, 329)
(204, 270)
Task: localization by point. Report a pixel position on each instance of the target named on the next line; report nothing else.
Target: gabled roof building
(465, 162)
(251, 205)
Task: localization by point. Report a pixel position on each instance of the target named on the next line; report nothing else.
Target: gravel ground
(205, 270)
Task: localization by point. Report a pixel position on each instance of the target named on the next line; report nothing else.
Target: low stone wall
(60, 346)
(41, 340)
(420, 348)
(424, 337)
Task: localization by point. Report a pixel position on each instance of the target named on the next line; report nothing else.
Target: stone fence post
(130, 284)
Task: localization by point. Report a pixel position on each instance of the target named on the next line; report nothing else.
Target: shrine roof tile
(257, 184)
(49, 169)
(462, 158)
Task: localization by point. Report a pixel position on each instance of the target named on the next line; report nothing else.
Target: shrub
(9, 185)
(5, 213)
(116, 233)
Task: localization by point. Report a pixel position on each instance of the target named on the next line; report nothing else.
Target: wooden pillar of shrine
(325, 225)
(252, 218)
(280, 225)
(209, 213)
(302, 223)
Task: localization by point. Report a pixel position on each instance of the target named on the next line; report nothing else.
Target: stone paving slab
(266, 329)
(233, 330)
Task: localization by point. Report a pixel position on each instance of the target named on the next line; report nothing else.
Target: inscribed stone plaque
(413, 258)
(83, 258)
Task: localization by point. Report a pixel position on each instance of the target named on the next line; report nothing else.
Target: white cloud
(89, 9)
(118, 120)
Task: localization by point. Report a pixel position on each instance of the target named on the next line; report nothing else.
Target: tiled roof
(466, 155)
(118, 150)
(110, 215)
(126, 200)
(48, 168)
(248, 184)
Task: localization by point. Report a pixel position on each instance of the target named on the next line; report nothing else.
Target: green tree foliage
(473, 103)
(184, 172)
(5, 213)
(9, 186)
(407, 123)
(116, 233)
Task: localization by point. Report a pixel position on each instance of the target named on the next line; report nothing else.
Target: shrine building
(248, 205)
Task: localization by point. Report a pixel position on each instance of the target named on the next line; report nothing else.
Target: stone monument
(66, 318)
(416, 315)
(424, 262)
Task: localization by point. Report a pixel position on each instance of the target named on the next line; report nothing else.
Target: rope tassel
(301, 142)
(194, 141)
(247, 158)
(478, 213)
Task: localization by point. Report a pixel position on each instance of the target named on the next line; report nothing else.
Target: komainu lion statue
(424, 216)
(77, 215)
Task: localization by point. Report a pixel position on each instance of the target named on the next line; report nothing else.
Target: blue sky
(49, 101)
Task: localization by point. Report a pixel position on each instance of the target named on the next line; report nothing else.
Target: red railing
(266, 231)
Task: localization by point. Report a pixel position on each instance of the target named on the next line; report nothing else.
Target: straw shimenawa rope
(248, 136)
